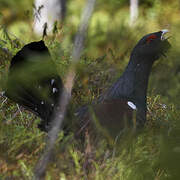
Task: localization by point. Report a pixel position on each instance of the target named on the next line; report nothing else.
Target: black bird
(33, 81)
(125, 101)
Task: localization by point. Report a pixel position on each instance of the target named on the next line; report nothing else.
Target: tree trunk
(133, 11)
(47, 12)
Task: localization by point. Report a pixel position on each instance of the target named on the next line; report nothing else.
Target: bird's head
(152, 46)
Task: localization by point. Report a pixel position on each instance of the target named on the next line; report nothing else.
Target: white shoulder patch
(52, 81)
(55, 90)
(132, 105)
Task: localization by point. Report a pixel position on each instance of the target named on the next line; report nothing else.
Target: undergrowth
(150, 154)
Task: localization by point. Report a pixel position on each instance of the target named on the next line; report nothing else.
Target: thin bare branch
(60, 110)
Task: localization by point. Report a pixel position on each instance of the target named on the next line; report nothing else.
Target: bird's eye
(151, 38)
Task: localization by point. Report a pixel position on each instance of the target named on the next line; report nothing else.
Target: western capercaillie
(33, 81)
(126, 98)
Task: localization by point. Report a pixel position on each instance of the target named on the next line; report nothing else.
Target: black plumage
(33, 81)
(115, 109)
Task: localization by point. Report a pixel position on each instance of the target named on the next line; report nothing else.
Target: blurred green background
(155, 153)
(109, 34)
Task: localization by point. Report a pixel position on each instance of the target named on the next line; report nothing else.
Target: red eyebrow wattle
(151, 37)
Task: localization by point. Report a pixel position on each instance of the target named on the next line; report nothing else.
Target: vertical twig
(61, 108)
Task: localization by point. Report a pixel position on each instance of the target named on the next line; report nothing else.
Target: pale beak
(164, 31)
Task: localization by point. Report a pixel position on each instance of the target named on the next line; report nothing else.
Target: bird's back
(33, 81)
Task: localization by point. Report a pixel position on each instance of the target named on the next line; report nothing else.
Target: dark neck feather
(132, 85)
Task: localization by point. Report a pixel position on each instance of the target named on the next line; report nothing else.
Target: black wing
(33, 81)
